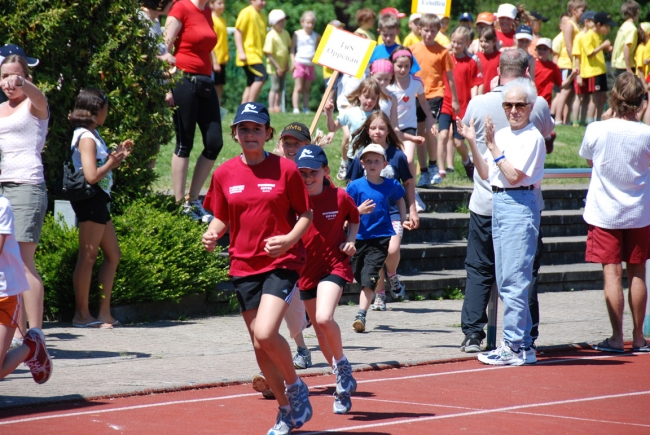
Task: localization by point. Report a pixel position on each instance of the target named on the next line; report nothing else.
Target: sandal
(645, 348)
(94, 324)
(604, 346)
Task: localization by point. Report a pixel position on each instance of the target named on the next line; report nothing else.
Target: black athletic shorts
(255, 73)
(219, 78)
(445, 122)
(93, 209)
(368, 260)
(308, 294)
(435, 105)
(277, 282)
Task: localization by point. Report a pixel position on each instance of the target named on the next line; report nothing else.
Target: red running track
(582, 392)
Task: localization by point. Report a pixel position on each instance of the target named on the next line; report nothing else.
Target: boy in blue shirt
(373, 194)
(388, 28)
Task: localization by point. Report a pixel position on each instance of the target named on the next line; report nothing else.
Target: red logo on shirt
(406, 98)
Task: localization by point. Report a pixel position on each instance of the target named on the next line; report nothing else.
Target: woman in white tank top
(23, 126)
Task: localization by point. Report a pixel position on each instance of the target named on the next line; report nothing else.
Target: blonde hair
(306, 14)
(462, 31)
(368, 84)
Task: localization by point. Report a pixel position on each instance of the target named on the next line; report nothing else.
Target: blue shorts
(445, 121)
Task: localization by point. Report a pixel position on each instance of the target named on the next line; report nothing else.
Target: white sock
(337, 362)
(295, 384)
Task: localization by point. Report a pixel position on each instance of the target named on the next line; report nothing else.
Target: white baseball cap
(276, 15)
(544, 41)
(374, 148)
(414, 17)
(507, 10)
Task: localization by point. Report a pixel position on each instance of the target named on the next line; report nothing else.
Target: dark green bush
(162, 258)
(103, 44)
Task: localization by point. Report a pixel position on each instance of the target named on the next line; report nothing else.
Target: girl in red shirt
(328, 264)
(489, 57)
(468, 78)
(263, 200)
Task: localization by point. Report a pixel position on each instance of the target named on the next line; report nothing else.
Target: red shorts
(9, 309)
(616, 246)
(591, 85)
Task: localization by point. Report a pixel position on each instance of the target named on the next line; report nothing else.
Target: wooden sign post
(442, 8)
(344, 52)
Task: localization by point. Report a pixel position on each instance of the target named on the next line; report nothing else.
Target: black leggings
(192, 109)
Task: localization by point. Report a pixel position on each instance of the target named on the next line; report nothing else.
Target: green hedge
(103, 44)
(162, 258)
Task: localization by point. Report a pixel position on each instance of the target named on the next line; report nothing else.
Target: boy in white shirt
(12, 283)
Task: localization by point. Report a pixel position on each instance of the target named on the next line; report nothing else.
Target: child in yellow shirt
(276, 48)
(221, 55)
(413, 37)
(593, 71)
(366, 20)
(250, 33)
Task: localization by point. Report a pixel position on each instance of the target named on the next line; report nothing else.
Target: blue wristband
(501, 157)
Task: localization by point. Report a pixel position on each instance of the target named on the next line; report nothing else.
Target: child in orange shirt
(439, 62)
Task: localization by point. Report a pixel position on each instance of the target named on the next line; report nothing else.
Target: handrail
(568, 173)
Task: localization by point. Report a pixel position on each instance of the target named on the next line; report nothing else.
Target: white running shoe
(503, 356)
(420, 206)
(380, 303)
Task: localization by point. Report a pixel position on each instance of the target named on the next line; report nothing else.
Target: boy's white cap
(544, 41)
(507, 10)
(276, 15)
(414, 17)
(373, 148)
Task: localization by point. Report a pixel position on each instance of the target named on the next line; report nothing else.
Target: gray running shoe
(342, 403)
(359, 323)
(302, 359)
(435, 175)
(261, 386)
(345, 382)
(283, 423)
(343, 169)
(301, 410)
(425, 179)
(380, 303)
(397, 290)
(502, 356)
(420, 206)
(197, 206)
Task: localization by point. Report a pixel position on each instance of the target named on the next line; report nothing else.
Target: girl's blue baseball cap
(252, 112)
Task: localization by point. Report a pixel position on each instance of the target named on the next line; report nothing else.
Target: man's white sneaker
(503, 356)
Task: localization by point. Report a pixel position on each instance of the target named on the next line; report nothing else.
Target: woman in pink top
(23, 126)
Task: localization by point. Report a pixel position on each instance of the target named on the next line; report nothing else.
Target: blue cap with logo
(9, 49)
(524, 32)
(311, 157)
(252, 112)
(466, 16)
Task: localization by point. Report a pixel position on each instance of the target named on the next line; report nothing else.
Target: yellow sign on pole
(344, 51)
(442, 8)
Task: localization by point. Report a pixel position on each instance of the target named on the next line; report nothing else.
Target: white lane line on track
(237, 396)
(438, 405)
(483, 411)
(580, 418)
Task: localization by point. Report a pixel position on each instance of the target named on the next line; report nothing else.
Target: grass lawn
(565, 154)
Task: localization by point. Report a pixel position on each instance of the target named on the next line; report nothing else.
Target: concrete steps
(433, 256)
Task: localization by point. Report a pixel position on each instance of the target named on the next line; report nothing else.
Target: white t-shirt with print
(406, 98)
(619, 191)
(12, 271)
(525, 150)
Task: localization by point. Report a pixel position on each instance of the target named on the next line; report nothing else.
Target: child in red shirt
(489, 57)
(468, 78)
(547, 73)
(328, 264)
(263, 200)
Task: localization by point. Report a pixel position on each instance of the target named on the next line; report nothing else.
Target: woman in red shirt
(189, 31)
(263, 200)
